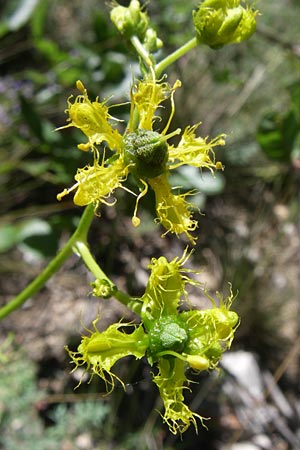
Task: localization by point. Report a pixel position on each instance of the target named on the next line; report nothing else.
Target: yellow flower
(141, 150)
(173, 336)
(146, 97)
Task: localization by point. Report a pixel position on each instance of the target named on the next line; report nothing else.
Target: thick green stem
(79, 235)
(170, 59)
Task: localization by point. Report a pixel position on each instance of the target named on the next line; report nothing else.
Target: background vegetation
(249, 234)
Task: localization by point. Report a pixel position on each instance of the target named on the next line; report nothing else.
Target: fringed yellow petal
(173, 212)
(96, 183)
(101, 350)
(195, 151)
(92, 118)
(166, 286)
(171, 381)
(164, 289)
(212, 330)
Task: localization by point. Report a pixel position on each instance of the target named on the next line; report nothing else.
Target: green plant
(172, 334)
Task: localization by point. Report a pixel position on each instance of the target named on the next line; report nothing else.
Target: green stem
(170, 59)
(134, 304)
(79, 235)
(144, 54)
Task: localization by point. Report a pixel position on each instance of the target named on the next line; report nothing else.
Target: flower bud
(214, 352)
(221, 22)
(197, 362)
(103, 288)
(224, 322)
(130, 21)
(151, 42)
(147, 152)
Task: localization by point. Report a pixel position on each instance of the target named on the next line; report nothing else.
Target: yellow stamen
(135, 220)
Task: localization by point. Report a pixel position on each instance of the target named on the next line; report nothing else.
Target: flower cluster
(141, 150)
(172, 340)
(174, 337)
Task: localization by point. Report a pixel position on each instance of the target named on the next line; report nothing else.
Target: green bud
(221, 22)
(214, 352)
(197, 362)
(151, 42)
(147, 152)
(103, 288)
(224, 321)
(131, 21)
(167, 333)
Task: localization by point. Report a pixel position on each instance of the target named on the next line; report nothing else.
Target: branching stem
(170, 59)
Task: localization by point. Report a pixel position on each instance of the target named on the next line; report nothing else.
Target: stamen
(66, 192)
(177, 84)
(135, 220)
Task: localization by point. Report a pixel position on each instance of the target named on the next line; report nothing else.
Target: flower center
(148, 152)
(167, 333)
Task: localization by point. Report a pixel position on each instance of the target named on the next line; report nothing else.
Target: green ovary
(168, 333)
(147, 152)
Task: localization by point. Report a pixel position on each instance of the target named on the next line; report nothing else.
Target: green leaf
(37, 239)
(50, 50)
